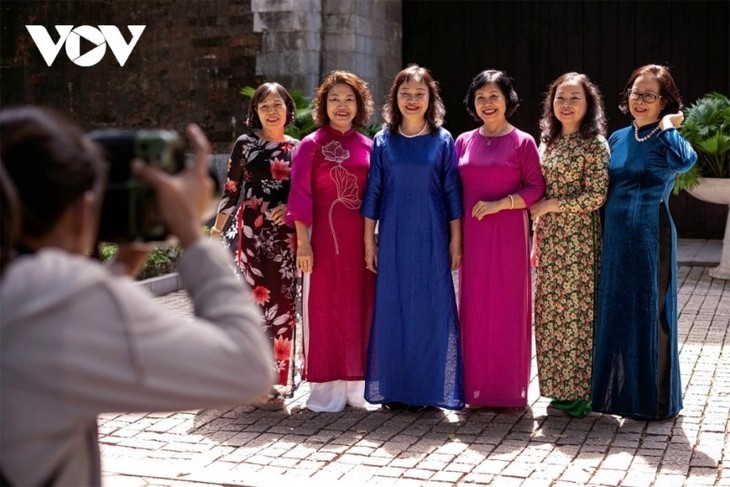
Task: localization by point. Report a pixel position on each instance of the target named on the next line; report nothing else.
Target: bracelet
(216, 229)
(511, 202)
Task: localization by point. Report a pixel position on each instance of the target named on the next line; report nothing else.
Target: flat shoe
(553, 411)
(271, 404)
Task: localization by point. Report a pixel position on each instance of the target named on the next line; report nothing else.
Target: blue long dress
(636, 359)
(414, 191)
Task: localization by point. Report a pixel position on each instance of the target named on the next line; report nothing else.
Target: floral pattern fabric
(258, 180)
(569, 244)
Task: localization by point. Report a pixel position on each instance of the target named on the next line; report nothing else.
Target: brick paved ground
(245, 446)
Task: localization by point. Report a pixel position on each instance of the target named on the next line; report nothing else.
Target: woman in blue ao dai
(636, 358)
(413, 191)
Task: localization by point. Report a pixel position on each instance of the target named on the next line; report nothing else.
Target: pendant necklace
(647, 136)
(487, 138)
(420, 132)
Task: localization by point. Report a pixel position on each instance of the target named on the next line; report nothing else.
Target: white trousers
(331, 397)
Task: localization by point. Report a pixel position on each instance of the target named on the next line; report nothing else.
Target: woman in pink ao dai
(329, 173)
(500, 174)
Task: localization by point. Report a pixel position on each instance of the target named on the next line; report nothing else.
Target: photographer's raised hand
(183, 198)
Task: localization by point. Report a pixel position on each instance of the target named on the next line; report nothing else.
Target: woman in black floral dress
(263, 246)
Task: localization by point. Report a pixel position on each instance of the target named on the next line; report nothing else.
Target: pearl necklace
(420, 132)
(647, 136)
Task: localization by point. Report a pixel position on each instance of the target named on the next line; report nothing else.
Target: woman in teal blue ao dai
(636, 359)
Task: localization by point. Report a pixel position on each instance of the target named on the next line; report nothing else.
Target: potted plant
(707, 127)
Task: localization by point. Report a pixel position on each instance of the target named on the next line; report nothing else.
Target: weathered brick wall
(189, 64)
(195, 55)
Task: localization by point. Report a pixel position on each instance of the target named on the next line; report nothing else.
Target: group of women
(390, 331)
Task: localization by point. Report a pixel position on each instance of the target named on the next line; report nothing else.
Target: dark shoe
(394, 406)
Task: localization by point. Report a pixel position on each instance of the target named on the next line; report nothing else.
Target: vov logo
(71, 37)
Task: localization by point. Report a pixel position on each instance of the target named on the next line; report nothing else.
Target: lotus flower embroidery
(334, 152)
(345, 182)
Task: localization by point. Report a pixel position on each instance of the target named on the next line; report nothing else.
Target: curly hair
(362, 96)
(435, 113)
(505, 84)
(594, 120)
(252, 115)
(667, 88)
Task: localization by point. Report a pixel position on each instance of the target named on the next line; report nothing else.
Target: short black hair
(505, 84)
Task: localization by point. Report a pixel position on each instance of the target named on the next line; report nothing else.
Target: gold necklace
(414, 135)
(482, 132)
(647, 136)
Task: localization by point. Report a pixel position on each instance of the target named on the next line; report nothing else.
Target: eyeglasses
(647, 98)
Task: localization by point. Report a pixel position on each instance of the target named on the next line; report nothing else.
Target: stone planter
(161, 285)
(717, 190)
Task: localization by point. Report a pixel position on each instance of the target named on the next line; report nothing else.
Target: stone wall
(303, 40)
(194, 56)
(189, 64)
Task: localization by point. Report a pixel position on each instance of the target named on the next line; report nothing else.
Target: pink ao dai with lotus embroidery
(329, 175)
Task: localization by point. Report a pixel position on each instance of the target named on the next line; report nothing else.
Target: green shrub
(707, 128)
(162, 260)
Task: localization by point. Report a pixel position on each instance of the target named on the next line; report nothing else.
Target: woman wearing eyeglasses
(636, 361)
(499, 169)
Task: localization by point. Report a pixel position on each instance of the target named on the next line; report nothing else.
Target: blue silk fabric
(414, 192)
(626, 367)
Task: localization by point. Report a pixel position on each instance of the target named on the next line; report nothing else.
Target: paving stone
(407, 459)
(447, 476)
(491, 466)
(670, 480)
(391, 471)
(477, 478)
(535, 482)
(471, 447)
(518, 469)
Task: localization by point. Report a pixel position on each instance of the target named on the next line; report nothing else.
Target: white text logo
(101, 37)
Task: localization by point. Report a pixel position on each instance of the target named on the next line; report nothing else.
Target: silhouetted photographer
(79, 338)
